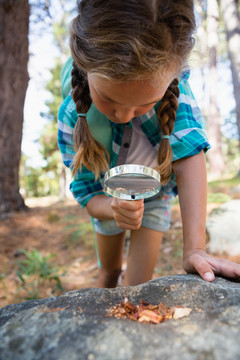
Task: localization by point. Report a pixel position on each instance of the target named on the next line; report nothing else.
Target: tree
(14, 54)
(215, 156)
(232, 26)
(14, 25)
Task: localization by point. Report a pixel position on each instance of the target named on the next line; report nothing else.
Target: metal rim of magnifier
(131, 169)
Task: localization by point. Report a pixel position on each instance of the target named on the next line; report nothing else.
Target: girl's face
(124, 101)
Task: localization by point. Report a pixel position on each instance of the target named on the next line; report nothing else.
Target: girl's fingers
(130, 205)
(225, 267)
(207, 266)
(134, 220)
(202, 267)
(131, 215)
(127, 207)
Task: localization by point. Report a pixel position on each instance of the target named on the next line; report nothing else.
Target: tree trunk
(232, 28)
(14, 26)
(215, 156)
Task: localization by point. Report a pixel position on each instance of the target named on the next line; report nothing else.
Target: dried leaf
(150, 317)
(180, 312)
(147, 313)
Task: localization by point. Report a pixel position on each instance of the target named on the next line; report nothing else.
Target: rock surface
(74, 326)
(224, 229)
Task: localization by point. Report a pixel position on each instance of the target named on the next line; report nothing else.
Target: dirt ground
(64, 229)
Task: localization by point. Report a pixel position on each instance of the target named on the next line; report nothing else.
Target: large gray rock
(74, 326)
(223, 227)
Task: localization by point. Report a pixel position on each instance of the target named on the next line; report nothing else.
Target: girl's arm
(192, 189)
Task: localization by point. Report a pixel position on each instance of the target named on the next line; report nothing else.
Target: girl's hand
(127, 214)
(206, 266)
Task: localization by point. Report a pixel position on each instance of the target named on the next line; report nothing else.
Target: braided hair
(89, 152)
(166, 116)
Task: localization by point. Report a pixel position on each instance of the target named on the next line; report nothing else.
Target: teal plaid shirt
(187, 139)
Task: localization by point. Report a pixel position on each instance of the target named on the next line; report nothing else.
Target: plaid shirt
(187, 139)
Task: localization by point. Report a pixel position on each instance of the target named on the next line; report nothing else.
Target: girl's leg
(110, 250)
(142, 257)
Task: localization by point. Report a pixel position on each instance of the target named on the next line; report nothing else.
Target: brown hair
(128, 39)
(89, 152)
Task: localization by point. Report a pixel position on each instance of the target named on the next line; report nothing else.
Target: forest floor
(50, 249)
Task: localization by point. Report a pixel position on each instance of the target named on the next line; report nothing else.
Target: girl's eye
(107, 100)
(148, 106)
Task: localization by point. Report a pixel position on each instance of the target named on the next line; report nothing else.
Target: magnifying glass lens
(132, 182)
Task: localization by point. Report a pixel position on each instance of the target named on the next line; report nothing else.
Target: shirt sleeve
(84, 186)
(189, 135)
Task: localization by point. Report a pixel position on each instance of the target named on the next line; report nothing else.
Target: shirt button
(126, 145)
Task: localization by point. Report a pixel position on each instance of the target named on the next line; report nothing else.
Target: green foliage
(35, 270)
(224, 183)
(54, 87)
(53, 217)
(38, 182)
(45, 180)
(231, 154)
(218, 198)
(223, 190)
(200, 55)
(35, 263)
(3, 275)
(48, 138)
(76, 233)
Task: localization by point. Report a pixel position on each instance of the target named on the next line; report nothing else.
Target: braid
(89, 152)
(166, 116)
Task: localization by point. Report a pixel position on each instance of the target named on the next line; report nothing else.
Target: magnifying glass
(132, 182)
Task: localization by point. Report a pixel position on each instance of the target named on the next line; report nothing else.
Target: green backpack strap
(99, 124)
(100, 127)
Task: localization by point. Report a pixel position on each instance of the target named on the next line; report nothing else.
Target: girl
(131, 103)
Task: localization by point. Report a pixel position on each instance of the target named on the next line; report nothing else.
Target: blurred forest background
(46, 240)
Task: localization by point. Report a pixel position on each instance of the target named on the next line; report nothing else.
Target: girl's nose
(124, 115)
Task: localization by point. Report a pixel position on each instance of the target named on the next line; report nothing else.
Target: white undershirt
(141, 150)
